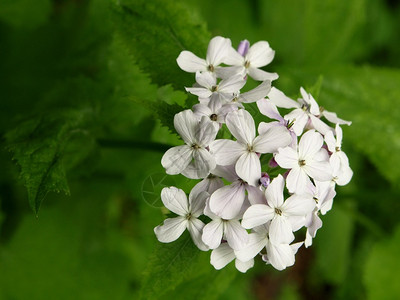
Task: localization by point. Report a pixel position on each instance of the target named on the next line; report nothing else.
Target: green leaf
(370, 97)
(155, 32)
(169, 265)
(382, 269)
(38, 147)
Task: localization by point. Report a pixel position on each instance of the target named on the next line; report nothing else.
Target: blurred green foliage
(88, 94)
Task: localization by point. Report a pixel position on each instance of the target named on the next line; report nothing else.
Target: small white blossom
(188, 212)
(224, 254)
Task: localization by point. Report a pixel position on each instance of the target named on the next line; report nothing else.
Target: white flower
(258, 55)
(253, 95)
(308, 159)
(207, 86)
(338, 160)
(267, 108)
(281, 256)
(229, 230)
(224, 254)
(218, 49)
(216, 109)
(193, 159)
(281, 213)
(228, 200)
(188, 212)
(243, 152)
(306, 110)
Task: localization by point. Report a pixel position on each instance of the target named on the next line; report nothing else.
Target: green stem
(152, 146)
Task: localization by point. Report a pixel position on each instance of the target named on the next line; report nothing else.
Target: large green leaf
(156, 32)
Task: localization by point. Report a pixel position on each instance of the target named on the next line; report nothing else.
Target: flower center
(316, 199)
(188, 216)
(246, 64)
(210, 68)
(302, 162)
(214, 88)
(278, 211)
(214, 117)
(250, 148)
(195, 146)
(337, 149)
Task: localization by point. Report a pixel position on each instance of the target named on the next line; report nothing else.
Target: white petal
(171, 230)
(186, 124)
(268, 108)
(236, 236)
(244, 266)
(319, 125)
(330, 141)
(261, 75)
(189, 62)
(310, 143)
(210, 185)
(197, 202)
(255, 195)
(226, 72)
(298, 205)
(254, 245)
(257, 93)
(297, 180)
(205, 132)
(176, 159)
(274, 192)
(241, 124)
(212, 233)
(332, 117)
(222, 256)
(201, 110)
(270, 141)
(260, 54)
(234, 58)
(248, 168)
(281, 100)
(299, 118)
(195, 227)
(280, 230)
(218, 49)
(232, 84)
(287, 158)
(203, 162)
(339, 135)
(199, 92)
(257, 215)
(227, 201)
(175, 200)
(226, 172)
(280, 256)
(206, 79)
(226, 152)
(318, 170)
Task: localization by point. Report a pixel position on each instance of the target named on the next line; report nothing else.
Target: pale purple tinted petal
(226, 152)
(248, 168)
(264, 127)
(203, 163)
(261, 75)
(212, 233)
(319, 125)
(254, 245)
(257, 215)
(270, 141)
(236, 236)
(267, 108)
(197, 202)
(201, 110)
(186, 124)
(205, 132)
(222, 256)
(260, 54)
(232, 84)
(257, 93)
(274, 192)
(227, 172)
(299, 119)
(195, 228)
(175, 200)
(227, 201)
(189, 62)
(171, 230)
(176, 159)
(241, 124)
(206, 79)
(280, 230)
(255, 195)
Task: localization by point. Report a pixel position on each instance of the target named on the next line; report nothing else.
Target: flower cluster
(257, 189)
